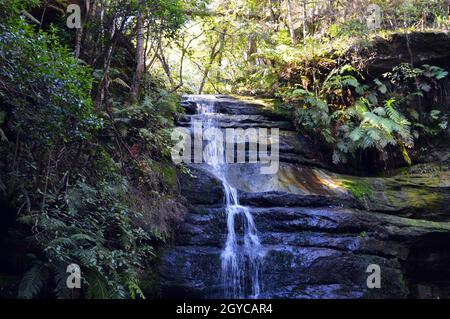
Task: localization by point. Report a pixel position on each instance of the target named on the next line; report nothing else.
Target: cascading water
(242, 254)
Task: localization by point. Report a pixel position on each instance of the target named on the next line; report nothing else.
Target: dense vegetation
(85, 118)
(86, 174)
(314, 55)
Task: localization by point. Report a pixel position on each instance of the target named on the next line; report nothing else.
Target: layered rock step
(318, 230)
(325, 251)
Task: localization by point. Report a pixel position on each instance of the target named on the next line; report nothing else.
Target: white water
(242, 254)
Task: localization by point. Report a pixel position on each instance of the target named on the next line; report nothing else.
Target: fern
(352, 116)
(60, 276)
(356, 134)
(133, 288)
(98, 286)
(121, 82)
(406, 154)
(33, 281)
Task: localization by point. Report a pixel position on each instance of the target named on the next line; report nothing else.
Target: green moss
(359, 189)
(427, 223)
(170, 174)
(273, 105)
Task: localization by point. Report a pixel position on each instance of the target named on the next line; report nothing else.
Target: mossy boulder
(421, 191)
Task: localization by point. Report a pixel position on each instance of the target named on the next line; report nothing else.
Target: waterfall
(242, 254)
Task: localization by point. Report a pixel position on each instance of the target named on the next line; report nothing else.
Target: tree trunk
(304, 22)
(273, 15)
(78, 37)
(214, 53)
(140, 60)
(252, 49)
(88, 12)
(103, 88)
(291, 23)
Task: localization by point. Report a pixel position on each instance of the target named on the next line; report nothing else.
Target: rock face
(319, 234)
(421, 192)
(416, 48)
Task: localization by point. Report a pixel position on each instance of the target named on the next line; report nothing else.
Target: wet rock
(289, 178)
(326, 273)
(280, 199)
(319, 230)
(237, 121)
(428, 267)
(203, 226)
(310, 253)
(422, 192)
(235, 106)
(419, 48)
(191, 272)
(190, 107)
(201, 187)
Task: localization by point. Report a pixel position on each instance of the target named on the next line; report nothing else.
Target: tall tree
(291, 22)
(140, 60)
(216, 50)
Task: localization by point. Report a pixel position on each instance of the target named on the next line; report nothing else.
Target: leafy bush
(89, 226)
(47, 101)
(10, 9)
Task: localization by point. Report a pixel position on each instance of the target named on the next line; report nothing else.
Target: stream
(242, 254)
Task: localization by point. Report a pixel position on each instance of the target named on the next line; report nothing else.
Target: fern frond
(405, 154)
(356, 134)
(60, 276)
(33, 281)
(98, 286)
(121, 82)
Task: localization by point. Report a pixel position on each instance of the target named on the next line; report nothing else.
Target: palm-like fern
(351, 115)
(375, 128)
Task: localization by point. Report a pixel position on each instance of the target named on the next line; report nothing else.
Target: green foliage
(10, 9)
(47, 100)
(91, 186)
(353, 117)
(411, 13)
(404, 75)
(91, 227)
(378, 127)
(149, 123)
(313, 116)
(32, 282)
(165, 16)
(352, 27)
(264, 39)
